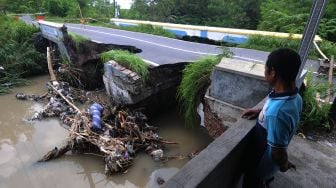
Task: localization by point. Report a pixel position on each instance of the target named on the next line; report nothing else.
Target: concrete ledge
(239, 83)
(245, 68)
(220, 164)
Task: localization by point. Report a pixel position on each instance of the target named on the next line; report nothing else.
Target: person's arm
(251, 113)
(278, 137)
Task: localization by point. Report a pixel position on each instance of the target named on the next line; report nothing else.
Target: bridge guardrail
(237, 36)
(55, 32)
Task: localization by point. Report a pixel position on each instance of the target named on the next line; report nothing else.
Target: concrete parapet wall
(54, 32)
(238, 83)
(221, 163)
(236, 36)
(235, 85)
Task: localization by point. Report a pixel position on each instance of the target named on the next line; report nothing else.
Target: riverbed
(22, 143)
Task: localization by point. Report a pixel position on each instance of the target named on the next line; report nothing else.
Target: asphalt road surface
(159, 50)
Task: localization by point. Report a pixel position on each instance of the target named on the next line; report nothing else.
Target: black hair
(286, 64)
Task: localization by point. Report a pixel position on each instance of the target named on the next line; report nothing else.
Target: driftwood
(55, 153)
(124, 133)
(51, 71)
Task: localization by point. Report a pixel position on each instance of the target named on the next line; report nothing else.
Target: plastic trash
(97, 107)
(96, 111)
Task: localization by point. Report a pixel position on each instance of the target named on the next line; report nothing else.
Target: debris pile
(104, 130)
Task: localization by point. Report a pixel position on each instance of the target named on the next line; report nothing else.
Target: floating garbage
(114, 133)
(96, 111)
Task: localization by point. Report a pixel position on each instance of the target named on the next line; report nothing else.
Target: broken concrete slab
(127, 88)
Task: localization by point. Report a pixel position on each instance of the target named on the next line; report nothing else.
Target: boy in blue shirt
(277, 121)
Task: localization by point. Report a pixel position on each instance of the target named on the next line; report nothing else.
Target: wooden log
(55, 153)
(51, 71)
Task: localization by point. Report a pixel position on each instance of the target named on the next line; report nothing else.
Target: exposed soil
(84, 56)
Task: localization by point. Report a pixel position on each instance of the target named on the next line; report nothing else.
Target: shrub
(128, 60)
(315, 114)
(18, 56)
(266, 43)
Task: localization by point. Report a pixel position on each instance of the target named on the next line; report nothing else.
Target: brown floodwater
(22, 143)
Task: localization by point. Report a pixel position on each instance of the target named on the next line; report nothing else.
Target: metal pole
(115, 4)
(309, 34)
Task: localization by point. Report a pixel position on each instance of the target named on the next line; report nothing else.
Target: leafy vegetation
(259, 42)
(61, 8)
(128, 60)
(221, 13)
(271, 43)
(195, 80)
(315, 114)
(18, 56)
(281, 16)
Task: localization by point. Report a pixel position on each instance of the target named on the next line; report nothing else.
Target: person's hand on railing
(251, 113)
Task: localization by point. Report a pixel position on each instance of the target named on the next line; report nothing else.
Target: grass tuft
(195, 80)
(77, 38)
(128, 60)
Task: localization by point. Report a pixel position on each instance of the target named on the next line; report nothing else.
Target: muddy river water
(22, 143)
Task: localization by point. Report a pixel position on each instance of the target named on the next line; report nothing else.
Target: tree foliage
(223, 13)
(291, 16)
(61, 8)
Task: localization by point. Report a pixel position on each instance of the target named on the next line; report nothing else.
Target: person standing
(277, 121)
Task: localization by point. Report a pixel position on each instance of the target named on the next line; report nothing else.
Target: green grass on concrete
(195, 79)
(128, 60)
(77, 38)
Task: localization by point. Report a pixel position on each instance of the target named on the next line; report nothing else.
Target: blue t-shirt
(276, 126)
